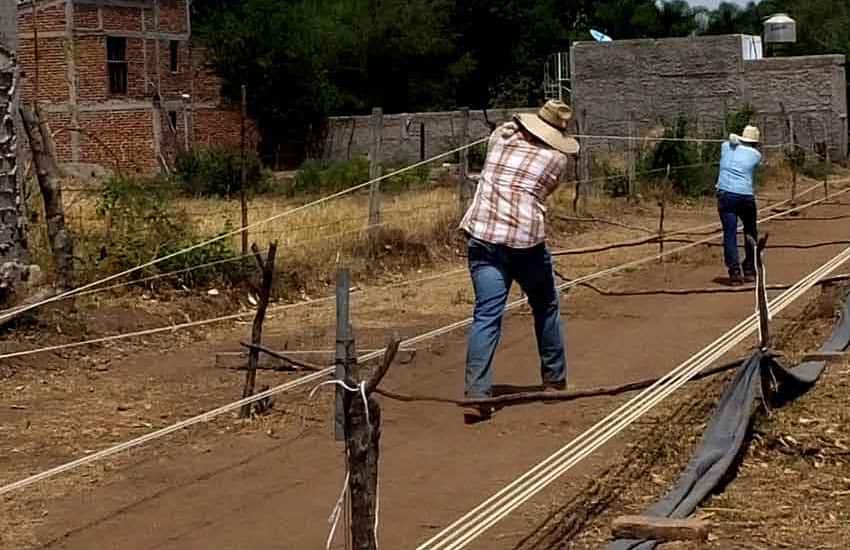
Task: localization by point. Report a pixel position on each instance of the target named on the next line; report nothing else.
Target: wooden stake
(267, 270)
(659, 529)
(826, 140)
(376, 128)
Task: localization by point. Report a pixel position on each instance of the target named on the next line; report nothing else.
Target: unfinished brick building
(120, 81)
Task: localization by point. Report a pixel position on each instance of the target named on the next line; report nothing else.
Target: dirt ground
(272, 481)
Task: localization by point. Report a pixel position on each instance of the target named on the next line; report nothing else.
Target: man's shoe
(736, 280)
(750, 277)
(473, 414)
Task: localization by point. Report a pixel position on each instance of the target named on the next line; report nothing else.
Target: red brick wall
(125, 133)
(172, 16)
(124, 138)
(221, 128)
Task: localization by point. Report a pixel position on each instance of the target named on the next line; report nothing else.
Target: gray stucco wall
(8, 23)
(702, 78)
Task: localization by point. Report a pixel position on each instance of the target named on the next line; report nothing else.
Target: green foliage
(217, 171)
(322, 177)
(142, 223)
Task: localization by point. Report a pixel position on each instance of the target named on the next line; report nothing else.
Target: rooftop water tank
(780, 29)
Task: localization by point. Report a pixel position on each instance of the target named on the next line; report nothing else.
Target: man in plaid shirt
(505, 225)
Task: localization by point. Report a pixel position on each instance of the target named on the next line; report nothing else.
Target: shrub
(319, 177)
(141, 223)
(217, 171)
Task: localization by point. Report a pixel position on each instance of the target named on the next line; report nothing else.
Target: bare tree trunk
(14, 261)
(50, 184)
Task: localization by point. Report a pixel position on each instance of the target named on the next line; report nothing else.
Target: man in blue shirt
(739, 160)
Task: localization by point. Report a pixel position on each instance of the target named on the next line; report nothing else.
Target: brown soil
(272, 481)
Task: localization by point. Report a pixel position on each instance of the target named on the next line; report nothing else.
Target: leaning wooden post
(794, 155)
(362, 441)
(267, 269)
(632, 184)
(376, 128)
(345, 354)
(464, 189)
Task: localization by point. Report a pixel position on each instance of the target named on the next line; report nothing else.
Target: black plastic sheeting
(727, 430)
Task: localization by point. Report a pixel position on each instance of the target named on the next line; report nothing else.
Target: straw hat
(751, 134)
(549, 125)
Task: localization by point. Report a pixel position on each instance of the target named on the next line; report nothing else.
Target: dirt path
(255, 491)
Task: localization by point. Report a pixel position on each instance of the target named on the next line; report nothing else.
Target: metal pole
(243, 194)
(344, 359)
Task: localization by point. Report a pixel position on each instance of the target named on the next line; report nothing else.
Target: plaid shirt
(517, 178)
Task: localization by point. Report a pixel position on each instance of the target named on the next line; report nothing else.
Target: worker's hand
(734, 140)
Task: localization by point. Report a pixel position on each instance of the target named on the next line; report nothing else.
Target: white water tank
(780, 29)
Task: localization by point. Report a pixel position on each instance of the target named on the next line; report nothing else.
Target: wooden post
(582, 166)
(376, 128)
(345, 354)
(267, 270)
(660, 529)
(632, 156)
(362, 441)
(794, 153)
(244, 173)
(662, 203)
(464, 188)
(50, 184)
(826, 141)
(761, 291)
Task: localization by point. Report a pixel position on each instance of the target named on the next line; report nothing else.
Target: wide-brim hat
(751, 134)
(550, 124)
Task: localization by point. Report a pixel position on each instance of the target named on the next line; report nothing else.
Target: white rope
(239, 230)
(467, 528)
(325, 372)
(333, 520)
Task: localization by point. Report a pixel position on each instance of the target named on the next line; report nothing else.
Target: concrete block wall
(349, 137)
(702, 78)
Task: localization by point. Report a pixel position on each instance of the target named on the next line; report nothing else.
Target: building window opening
(173, 57)
(116, 63)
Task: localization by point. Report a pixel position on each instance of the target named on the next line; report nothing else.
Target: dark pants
(733, 207)
(493, 269)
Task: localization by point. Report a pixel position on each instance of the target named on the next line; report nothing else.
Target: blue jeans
(493, 269)
(731, 207)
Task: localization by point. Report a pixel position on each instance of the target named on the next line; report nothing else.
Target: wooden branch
(536, 396)
(606, 247)
(787, 246)
(389, 357)
(702, 290)
(294, 362)
(659, 529)
(828, 356)
(604, 221)
(257, 327)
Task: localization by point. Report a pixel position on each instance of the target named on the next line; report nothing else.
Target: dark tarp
(726, 432)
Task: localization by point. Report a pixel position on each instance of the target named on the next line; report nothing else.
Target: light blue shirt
(738, 165)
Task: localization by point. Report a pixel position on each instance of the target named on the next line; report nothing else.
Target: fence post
(244, 172)
(376, 128)
(632, 156)
(828, 153)
(663, 206)
(345, 354)
(465, 189)
(267, 270)
(794, 153)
